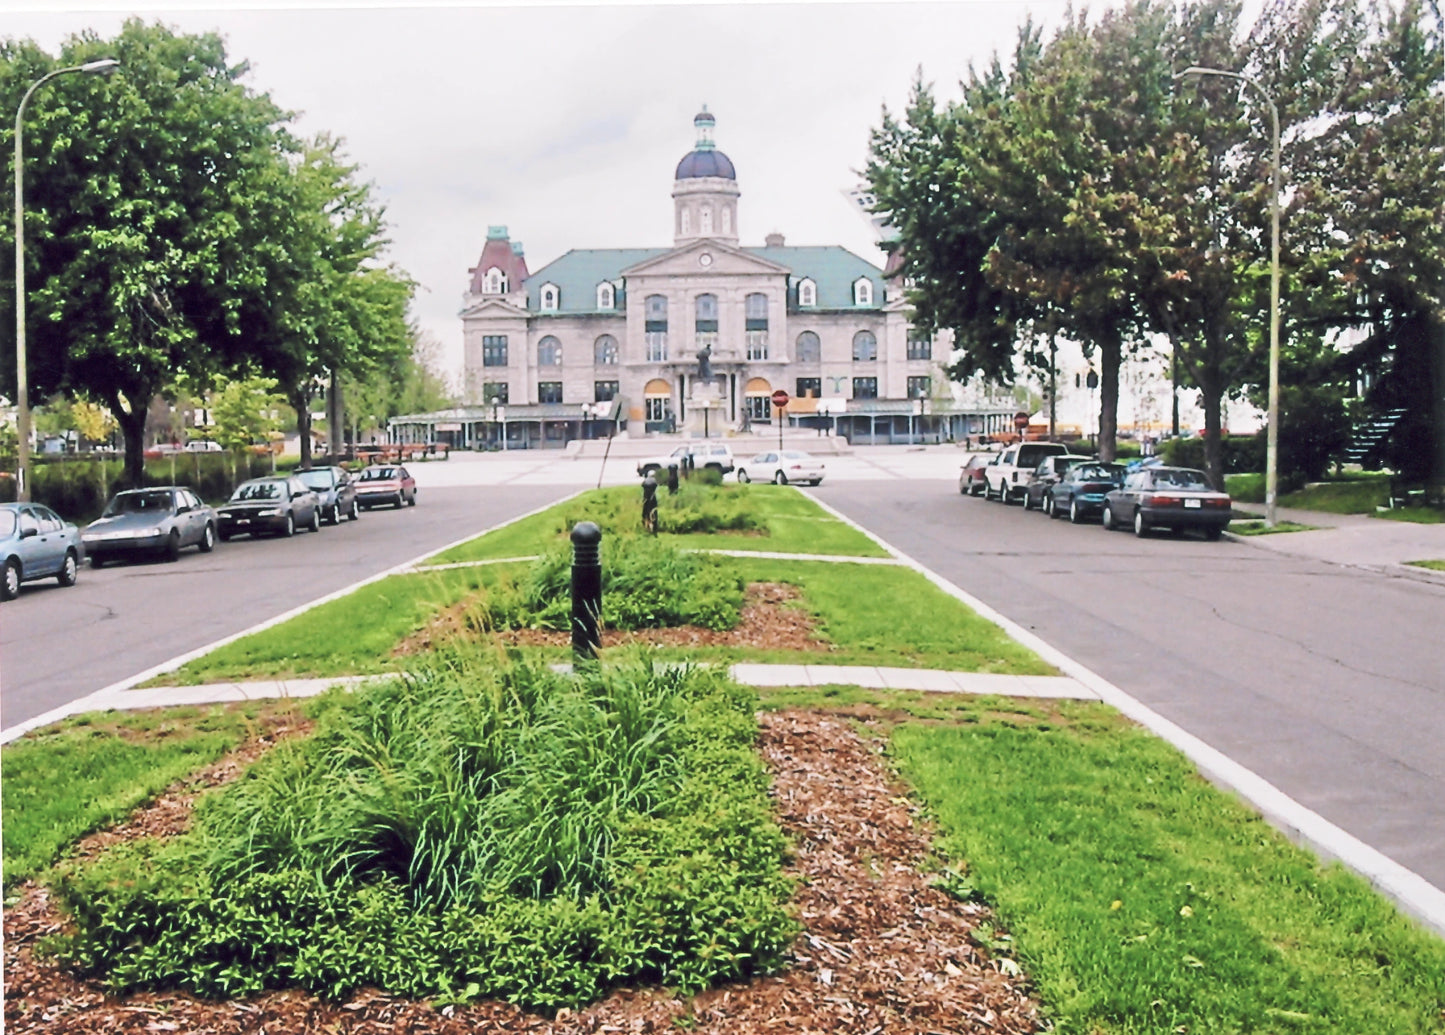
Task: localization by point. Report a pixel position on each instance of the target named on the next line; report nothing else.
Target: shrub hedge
(480, 828)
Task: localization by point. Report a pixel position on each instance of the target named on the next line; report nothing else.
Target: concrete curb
(1411, 892)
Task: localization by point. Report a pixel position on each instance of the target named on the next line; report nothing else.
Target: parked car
(1176, 498)
(381, 484)
(279, 505)
(790, 465)
(147, 522)
(705, 455)
(971, 477)
(203, 445)
(1080, 492)
(1005, 480)
(1049, 471)
(335, 490)
(37, 543)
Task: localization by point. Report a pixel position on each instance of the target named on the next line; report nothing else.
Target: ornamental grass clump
(480, 828)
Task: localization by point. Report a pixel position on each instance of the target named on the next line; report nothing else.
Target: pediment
(688, 260)
(494, 307)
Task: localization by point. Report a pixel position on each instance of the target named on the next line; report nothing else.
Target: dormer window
(862, 291)
(807, 292)
(551, 297)
(495, 282)
(606, 295)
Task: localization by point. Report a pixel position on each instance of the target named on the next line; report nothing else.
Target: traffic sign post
(780, 400)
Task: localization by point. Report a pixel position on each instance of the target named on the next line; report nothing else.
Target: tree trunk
(1211, 393)
(133, 428)
(1110, 352)
(1435, 342)
(301, 402)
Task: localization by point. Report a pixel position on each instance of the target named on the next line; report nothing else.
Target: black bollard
(672, 478)
(586, 590)
(688, 463)
(649, 503)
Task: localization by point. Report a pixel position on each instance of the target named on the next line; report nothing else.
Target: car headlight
(272, 512)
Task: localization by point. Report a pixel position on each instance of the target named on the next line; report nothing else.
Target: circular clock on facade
(705, 259)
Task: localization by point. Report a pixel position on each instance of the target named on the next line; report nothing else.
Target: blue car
(37, 543)
(1079, 494)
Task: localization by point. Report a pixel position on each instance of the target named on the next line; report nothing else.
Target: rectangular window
(757, 344)
(604, 391)
(657, 408)
(656, 346)
(549, 391)
(493, 392)
(918, 387)
(760, 407)
(494, 350)
(865, 388)
(809, 386)
(920, 348)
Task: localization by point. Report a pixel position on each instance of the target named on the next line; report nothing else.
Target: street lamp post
(1271, 458)
(22, 387)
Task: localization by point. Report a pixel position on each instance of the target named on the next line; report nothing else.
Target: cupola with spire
(705, 190)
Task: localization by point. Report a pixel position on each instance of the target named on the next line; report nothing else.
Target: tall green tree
(143, 191)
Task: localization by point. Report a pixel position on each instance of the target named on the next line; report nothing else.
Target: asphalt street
(1327, 681)
(59, 644)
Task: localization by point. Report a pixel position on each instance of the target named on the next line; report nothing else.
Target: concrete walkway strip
(416, 568)
(827, 558)
(1411, 892)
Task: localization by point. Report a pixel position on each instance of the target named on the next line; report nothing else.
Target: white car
(705, 454)
(782, 467)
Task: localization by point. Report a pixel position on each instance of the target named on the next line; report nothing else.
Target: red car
(971, 480)
(381, 484)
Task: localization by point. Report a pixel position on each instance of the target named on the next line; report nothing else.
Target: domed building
(604, 337)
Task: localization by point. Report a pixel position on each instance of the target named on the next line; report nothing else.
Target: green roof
(578, 272)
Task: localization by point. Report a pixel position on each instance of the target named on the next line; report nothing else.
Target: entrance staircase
(1368, 435)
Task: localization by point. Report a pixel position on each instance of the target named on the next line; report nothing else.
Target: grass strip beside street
(1140, 898)
(90, 771)
(1258, 527)
(1433, 565)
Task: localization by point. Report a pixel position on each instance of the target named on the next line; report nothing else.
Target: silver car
(36, 543)
(150, 522)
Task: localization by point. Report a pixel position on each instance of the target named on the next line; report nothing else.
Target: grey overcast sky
(565, 122)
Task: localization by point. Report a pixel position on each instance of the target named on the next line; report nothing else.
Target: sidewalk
(1354, 540)
(928, 680)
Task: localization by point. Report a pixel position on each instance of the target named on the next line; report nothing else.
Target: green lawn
(90, 771)
(1433, 565)
(1139, 898)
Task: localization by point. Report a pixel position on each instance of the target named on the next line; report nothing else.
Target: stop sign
(780, 398)
(1021, 421)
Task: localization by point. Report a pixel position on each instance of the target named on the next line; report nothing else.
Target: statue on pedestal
(704, 363)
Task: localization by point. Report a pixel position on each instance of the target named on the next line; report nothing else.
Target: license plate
(1192, 504)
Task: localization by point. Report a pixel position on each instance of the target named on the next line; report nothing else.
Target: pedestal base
(706, 414)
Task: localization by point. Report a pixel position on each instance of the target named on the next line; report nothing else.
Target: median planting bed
(484, 844)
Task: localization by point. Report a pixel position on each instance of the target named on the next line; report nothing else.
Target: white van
(1008, 479)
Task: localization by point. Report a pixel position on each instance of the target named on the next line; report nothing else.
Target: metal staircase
(1369, 435)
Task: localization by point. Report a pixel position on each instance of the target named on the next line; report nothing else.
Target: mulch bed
(768, 620)
(883, 951)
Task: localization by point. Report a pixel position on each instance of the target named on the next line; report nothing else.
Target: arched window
(704, 323)
(807, 292)
(810, 350)
(655, 328)
(551, 296)
(704, 219)
(865, 347)
(862, 291)
(495, 282)
(604, 351)
(755, 311)
(606, 295)
(549, 352)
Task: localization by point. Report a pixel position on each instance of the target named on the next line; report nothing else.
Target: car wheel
(1140, 529)
(1107, 518)
(208, 539)
(355, 514)
(779, 478)
(1028, 501)
(315, 525)
(333, 515)
(290, 527)
(68, 570)
(10, 588)
(173, 546)
(743, 476)
(411, 500)
(1075, 514)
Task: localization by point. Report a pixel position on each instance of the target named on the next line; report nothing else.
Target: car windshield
(378, 474)
(138, 503)
(258, 491)
(322, 478)
(1181, 478)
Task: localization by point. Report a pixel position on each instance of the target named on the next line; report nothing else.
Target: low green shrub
(646, 584)
(480, 828)
(1240, 453)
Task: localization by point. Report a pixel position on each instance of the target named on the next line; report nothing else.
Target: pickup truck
(1008, 479)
